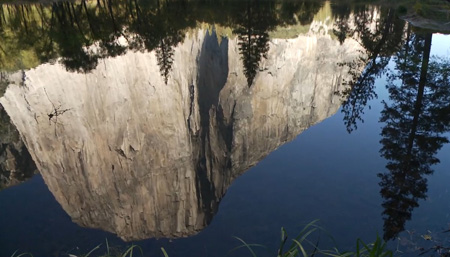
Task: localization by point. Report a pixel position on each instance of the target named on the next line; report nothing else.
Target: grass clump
(113, 252)
(305, 246)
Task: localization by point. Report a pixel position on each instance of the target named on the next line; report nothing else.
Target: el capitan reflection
(144, 155)
(163, 113)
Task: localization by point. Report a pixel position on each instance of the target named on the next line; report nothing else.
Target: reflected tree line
(417, 114)
(83, 32)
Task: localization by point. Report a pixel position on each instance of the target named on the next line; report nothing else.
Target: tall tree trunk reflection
(415, 120)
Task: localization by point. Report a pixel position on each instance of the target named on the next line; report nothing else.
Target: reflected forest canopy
(80, 34)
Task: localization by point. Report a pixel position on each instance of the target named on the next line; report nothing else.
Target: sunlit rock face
(124, 152)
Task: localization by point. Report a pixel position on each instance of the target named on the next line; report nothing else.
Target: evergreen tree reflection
(167, 37)
(24, 40)
(379, 44)
(415, 119)
(252, 30)
(71, 38)
(293, 12)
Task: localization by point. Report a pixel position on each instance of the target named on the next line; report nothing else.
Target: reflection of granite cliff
(16, 164)
(142, 159)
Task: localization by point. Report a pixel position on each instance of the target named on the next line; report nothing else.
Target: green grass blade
(130, 250)
(292, 254)
(310, 224)
(336, 253)
(94, 249)
(282, 242)
(107, 247)
(22, 254)
(366, 247)
(247, 246)
(164, 252)
(307, 234)
(299, 245)
(242, 246)
(358, 251)
(316, 247)
(306, 231)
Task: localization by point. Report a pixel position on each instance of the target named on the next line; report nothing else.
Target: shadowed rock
(16, 164)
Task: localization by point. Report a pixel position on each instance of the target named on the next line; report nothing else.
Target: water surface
(185, 125)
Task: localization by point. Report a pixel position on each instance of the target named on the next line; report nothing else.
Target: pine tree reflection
(415, 119)
(293, 12)
(252, 30)
(379, 44)
(22, 35)
(71, 38)
(169, 38)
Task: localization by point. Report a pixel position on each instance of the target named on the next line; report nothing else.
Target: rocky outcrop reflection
(16, 164)
(139, 158)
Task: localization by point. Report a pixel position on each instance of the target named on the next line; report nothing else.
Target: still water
(188, 125)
